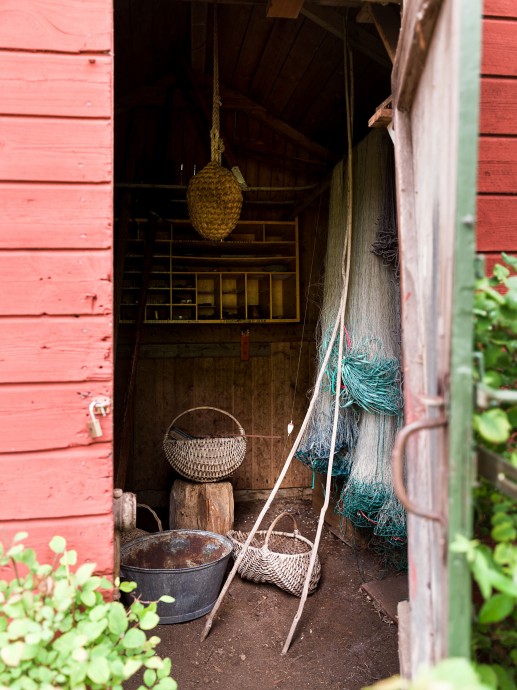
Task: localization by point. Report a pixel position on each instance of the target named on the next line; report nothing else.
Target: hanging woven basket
(214, 197)
(214, 201)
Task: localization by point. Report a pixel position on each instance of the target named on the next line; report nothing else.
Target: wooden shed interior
(283, 121)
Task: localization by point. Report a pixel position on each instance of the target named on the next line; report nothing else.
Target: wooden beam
(387, 23)
(284, 9)
(322, 3)
(359, 39)
(198, 24)
(383, 114)
(233, 100)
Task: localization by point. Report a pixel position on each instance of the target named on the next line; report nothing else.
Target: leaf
(496, 608)
(493, 425)
(150, 677)
(154, 662)
(84, 572)
(167, 599)
(504, 532)
(134, 639)
(487, 675)
(493, 379)
(127, 586)
(149, 620)
(131, 667)
(117, 619)
(99, 670)
(11, 654)
(68, 558)
(512, 415)
(509, 260)
(88, 598)
(165, 670)
(19, 536)
(501, 272)
(481, 570)
(57, 544)
(166, 684)
(504, 681)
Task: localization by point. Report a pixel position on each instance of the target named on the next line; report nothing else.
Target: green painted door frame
(461, 452)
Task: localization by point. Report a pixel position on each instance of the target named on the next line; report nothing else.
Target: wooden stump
(207, 506)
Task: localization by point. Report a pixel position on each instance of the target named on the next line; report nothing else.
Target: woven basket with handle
(204, 459)
(281, 558)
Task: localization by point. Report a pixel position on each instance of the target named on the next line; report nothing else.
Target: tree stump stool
(207, 506)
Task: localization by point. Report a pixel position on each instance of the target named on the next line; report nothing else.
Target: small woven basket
(281, 558)
(205, 459)
(214, 201)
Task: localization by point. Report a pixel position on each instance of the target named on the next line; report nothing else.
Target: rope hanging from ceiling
(214, 196)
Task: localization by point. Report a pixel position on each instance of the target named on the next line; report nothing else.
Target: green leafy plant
(495, 312)
(60, 628)
(449, 674)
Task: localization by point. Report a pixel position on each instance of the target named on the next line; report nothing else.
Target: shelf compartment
(258, 296)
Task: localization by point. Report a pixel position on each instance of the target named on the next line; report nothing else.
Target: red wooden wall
(497, 182)
(55, 266)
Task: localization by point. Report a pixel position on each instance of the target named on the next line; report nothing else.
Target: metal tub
(186, 564)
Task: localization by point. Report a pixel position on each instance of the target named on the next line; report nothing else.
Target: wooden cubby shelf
(250, 277)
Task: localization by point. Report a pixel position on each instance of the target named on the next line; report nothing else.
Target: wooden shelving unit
(250, 277)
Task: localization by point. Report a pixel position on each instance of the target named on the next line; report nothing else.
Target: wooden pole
(278, 483)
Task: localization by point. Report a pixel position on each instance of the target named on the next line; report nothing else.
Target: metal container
(189, 565)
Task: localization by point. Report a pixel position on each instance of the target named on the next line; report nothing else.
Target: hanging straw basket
(204, 459)
(281, 558)
(214, 201)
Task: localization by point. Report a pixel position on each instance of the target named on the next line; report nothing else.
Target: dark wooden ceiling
(281, 83)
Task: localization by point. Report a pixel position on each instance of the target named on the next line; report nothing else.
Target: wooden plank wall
(56, 264)
(182, 367)
(497, 173)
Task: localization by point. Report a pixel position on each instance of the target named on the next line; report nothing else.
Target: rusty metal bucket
(186, 564)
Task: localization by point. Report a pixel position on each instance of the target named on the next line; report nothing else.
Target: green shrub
(61, 630)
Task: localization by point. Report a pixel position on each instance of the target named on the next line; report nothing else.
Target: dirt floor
(342, 642)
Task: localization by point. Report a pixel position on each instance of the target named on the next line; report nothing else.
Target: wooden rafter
(387, 22)
(321, 3)
(234, 100)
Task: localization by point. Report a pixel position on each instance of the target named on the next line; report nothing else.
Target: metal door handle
(398, 465)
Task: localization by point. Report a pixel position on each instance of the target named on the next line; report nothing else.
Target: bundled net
(369, 387)
(371, 370)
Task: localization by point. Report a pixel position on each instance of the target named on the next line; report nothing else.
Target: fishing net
(369, 386)
(371, 371)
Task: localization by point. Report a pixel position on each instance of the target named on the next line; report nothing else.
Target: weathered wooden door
(435, 91)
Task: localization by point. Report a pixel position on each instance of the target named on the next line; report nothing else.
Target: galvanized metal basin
(186, 564)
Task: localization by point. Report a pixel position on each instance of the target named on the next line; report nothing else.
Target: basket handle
(158, 521)
(216, 409)
(272, 525)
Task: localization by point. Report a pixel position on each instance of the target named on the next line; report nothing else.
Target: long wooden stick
(345, 274)
(274, 490)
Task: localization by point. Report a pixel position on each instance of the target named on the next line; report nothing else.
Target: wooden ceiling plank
(198, 35)
(275, 53)
(257, 35)
(305, 48)
(359, 39)
(284, 9)
(234, 100)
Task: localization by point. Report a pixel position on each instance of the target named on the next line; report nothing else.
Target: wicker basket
(204, 459)
(214, 201)
(280, 558)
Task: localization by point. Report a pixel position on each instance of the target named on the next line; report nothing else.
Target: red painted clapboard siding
(55, 150)
(55, 216)
(498, 106)
(495, 258)
(91, 537)
(497, 223)
(76, 481)
(63, 85)
(64, 26)
(49, 416)
(497, 168)
(55, 349)
(57, 283)
(499, 47)
(500, 8)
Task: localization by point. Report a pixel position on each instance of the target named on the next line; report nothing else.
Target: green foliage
(496, 342)
(450, 674)
(59, 628)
